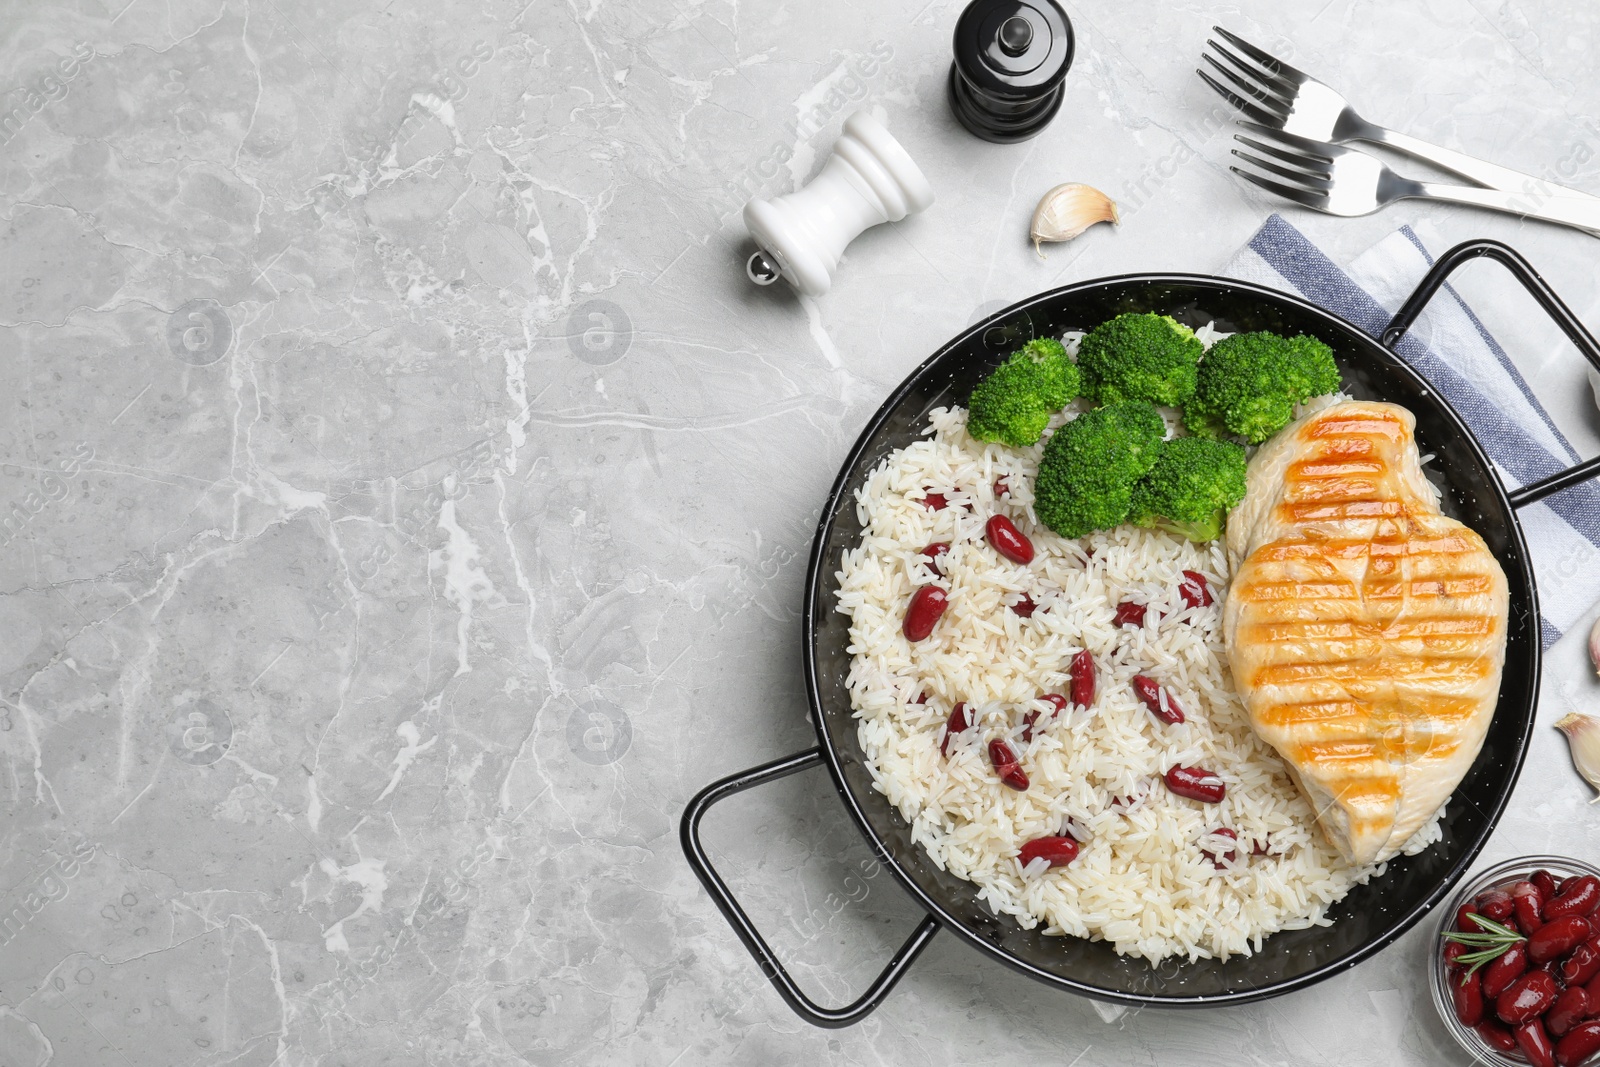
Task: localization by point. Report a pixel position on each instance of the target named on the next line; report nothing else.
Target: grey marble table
(404, 501)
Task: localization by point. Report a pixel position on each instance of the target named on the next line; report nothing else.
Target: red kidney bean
(1025, 607)
(1506, 968)
(1161, 703)
(1581, 1042)
(1195, 591)
(1496, 1035)
(960, 721)
(1578, 896)
(922, 698)
(1466, 996)
(1464, 924)
(1495, 904)
(934, 501)
(1264, 848)
(1582, 964)
(1001, 488)
(1057, 704)
(1003, 535)
(1129, 614)
(923, 611)
(1028, 722)
(1060, 851)
(1592, 987)
(1571, 1008)
(1500, 972)
(1219, 861)
(1082, 674)
(1527, 904)
(1557, 937)
(1196, 784)
(1527, 997)
(934, 554)
(1453, 950)
(1545, 882)
(1007, 766)
(1535, 1043)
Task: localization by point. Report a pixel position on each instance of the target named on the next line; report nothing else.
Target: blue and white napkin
(1465, 363)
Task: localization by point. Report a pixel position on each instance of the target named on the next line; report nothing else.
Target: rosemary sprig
(1489, 944)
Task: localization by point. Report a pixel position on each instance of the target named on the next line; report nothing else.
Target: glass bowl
(1500, 874)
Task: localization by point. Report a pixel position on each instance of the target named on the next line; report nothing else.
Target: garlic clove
(1583, 738)
(1067, 210)
(1594, 646)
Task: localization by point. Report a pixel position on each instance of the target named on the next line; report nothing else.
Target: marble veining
(404, 501)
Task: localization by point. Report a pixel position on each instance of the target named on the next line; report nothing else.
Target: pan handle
(1553, 305)
(804, 1006)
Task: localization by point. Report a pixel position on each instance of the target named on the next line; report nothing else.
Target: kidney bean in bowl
(1534, 995)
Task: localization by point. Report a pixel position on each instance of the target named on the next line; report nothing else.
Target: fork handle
(1491, 175)
(1579, 211)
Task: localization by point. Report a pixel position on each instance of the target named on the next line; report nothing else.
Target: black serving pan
(1371, 916)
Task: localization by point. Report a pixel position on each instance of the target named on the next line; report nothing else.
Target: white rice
(1141, 880)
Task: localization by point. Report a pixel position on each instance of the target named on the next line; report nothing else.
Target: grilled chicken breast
(1366, 631)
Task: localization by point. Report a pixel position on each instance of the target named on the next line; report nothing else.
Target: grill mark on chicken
(1371, 670)
(1330, 712)
(1453, 585)
(1312, 548)
(1355, 508)
(1386, 427)
(1356, 630)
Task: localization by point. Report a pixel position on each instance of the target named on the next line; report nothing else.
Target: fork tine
(1258, 114)
(1317, 165)
(1310, 181)
(1264, 81)
(1305, 145)
(1266, 59)
(1267, 98)
(1299, 196)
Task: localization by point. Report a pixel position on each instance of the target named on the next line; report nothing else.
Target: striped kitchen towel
(1464, 362)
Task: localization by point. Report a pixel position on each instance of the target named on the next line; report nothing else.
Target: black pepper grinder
(1011, 58)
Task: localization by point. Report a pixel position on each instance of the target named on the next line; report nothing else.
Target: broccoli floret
(1140, 357)
(1013, 405)
(1250, 383)
(1090, 466)
(1191, 488)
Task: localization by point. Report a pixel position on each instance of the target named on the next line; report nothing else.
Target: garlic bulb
(1583, 738)
(1068, 210)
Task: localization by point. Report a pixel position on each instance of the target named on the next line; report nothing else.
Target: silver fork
(1348, 181)
(1278, 96)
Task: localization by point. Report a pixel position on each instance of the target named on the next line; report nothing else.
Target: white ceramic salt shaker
(868, 179)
